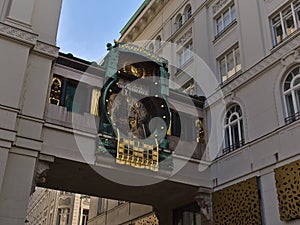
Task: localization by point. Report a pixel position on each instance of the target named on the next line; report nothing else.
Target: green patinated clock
(134, 111)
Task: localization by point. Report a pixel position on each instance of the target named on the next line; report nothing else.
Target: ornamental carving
(185, 37)
(17, 34)
(218, 5)
(288, 185)
(237, 204)
(46, 49)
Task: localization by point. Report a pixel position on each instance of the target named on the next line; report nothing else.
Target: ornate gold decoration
(131, 47)
(55, 91)
(96, 94)
(288, 185)
(237, 204)
(137, 153)
(149, 220)
(200, 130)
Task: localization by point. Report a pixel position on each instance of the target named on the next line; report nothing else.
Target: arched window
(178, 21)
(151, 47)
(158, 42)
(291, 92)
(234, 133)
(187, 12)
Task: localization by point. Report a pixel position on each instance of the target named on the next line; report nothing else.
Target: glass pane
(233, 118)
(237, 60)
(278, 33)
(235, 133)
(223, 69)
(298, 99)
(226, 18)
(219, 25)
(298, 17)
(70, 97)
(227, 140)
(296, 82)
(289, 23)
(233, 13)
(295, 71)
(287, 83)
(230, 64)
(289, 105)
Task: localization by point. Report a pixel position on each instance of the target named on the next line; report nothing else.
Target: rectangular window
(224, 19)
(229, 64)
(185, 55)
(189, 87)
(285, 22)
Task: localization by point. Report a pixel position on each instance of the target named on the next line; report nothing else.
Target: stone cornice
(276, 55)
(18, 34)
(46, 49)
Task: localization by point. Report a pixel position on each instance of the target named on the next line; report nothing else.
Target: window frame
(231, 10)
(185, 54)
(289, 11)
(233, 118)
(178, 21)
(292, 106)
(235, 50)
(188, 12)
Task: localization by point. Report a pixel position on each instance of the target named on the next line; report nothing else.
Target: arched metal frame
(291, 93)
(233, 128)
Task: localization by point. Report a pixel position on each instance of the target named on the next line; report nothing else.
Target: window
(233, 128)
(76, 97)
(158, 42)
(63, 216)
(291, 92)
(224, 19)
(178, 22)
(189, 87)
(189, 214)
(185, 54)
(187, 12)
(85, 217)
(229, 64)
(151, 47)
(285, 22)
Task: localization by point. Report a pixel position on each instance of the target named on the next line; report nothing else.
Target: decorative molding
(18, 34)
(186, 36)
(218, 5)
(46, 49)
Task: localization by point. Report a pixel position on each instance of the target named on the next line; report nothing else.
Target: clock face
(134, 114)
(128, 114)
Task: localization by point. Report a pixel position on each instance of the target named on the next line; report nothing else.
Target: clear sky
(87, 26)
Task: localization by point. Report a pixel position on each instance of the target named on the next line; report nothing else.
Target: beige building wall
(270, 142)
(27, 49)
(52, 207)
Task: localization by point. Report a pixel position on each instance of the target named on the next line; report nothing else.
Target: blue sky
(87, 26)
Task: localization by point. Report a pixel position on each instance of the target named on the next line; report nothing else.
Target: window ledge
(228, 80)
(185, 65)
(225, 30)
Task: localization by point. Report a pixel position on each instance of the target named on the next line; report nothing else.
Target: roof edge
(135, 15)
